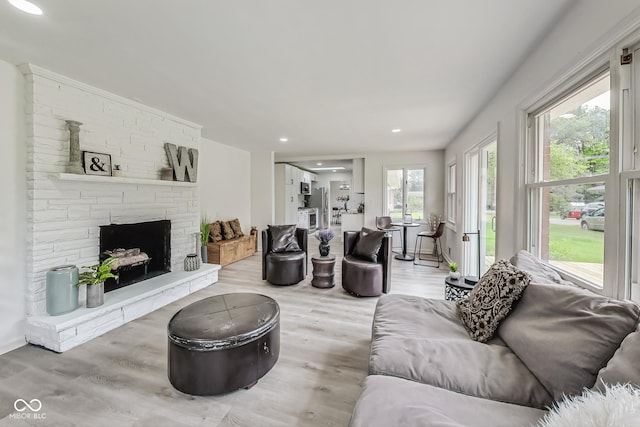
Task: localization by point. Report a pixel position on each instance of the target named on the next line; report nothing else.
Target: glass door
(404, 193)
(487, 209)
(480, 219)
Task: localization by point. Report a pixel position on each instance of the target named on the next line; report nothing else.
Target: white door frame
(473, 176)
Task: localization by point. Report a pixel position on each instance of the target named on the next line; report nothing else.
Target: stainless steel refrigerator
(319, 199)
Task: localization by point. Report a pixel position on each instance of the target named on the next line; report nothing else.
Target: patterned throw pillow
(215, 232)
(227, 231)
(491, 299)
(235, 226)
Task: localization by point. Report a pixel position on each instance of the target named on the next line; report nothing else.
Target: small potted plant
(94, 277)
(324, 235)
(453, 271)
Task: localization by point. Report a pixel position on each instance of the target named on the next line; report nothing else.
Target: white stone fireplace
(65, 211)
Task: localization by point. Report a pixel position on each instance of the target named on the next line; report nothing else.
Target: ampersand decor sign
(96, 163)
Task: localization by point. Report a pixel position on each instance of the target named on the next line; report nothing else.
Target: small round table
(456, 289)
(405, 225)
(323, 274)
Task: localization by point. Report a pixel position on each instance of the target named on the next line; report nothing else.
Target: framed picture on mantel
(96, 163)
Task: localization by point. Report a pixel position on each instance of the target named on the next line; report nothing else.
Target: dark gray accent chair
(365, 278)
(284, 268)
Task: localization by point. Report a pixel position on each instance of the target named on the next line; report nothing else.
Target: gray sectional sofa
(424, 370)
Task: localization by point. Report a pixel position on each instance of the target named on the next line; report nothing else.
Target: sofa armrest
(385, 256)
(349, 241)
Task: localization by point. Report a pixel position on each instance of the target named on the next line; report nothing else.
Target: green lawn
(567, 242)
(571, 243)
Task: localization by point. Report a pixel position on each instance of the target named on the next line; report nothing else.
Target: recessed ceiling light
(334, 170)
(327, 168)
(319, 164)
(26, 6)
(396, 130)
(284, 139)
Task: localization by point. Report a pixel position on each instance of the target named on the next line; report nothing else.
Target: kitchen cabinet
(303, 219)
(287, 194)
(291, 175)
(358, 175)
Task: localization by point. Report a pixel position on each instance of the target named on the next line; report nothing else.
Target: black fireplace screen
(143, 251)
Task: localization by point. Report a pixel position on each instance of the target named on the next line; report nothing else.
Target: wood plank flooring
(120, 378)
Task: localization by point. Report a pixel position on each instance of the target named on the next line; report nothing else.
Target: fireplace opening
(143, 251)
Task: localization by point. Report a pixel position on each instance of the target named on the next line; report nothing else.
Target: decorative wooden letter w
(185, 160)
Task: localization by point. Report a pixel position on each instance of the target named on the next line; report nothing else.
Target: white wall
(225, 183)
(13, 208)
(262, 191)
(589, 27)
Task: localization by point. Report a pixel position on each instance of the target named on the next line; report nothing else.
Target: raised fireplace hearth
(143, 251)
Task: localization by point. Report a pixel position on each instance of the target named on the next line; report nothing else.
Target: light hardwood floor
(120, 378)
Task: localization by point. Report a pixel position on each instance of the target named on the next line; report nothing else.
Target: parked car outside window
(573, 210)
(590, 207)
(593, 220)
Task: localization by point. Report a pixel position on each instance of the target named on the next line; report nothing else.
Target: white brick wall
(64, 216)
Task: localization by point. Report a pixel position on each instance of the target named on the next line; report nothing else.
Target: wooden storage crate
(225, 252)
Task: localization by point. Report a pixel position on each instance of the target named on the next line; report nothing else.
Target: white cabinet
(358, 175)
(291, 204)
(303, 219)
(306, 177)
(290, 174)
(287, 190)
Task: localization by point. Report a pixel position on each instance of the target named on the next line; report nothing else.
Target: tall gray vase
(62, 289)
(95, 295)
(203, 254)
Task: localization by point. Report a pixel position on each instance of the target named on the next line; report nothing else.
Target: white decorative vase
(455, 275)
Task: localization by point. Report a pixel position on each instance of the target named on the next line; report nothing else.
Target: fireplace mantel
(118, 180)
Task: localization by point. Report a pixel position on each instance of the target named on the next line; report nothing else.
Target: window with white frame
(451, 193)
(569, 147)
(404, 192)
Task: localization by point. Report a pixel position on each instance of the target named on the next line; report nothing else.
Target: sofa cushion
(394, 402)
(227, 231)
(283, 238)
(235, 226)
(423, 340)
(540, 272)
(565, 334)
(491, 299)
(368, 244)
(215, 232)
(624, 366)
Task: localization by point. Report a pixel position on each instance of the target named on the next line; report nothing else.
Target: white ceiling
(334, 76)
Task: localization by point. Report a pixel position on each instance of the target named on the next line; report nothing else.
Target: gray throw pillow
(539, 271)
(368, 244)
(623, 366)
(283, 238)
(565, 335)
(491, 299)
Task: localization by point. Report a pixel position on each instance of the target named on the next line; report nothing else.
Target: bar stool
(435, 235)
